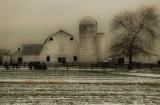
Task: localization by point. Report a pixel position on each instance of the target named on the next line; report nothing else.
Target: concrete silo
(87, 34)
(101, 47)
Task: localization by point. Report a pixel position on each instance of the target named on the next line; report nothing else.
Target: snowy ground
(26, 87)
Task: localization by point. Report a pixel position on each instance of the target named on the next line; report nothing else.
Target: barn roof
(31, 49)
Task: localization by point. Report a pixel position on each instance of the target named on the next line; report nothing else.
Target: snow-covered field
(26, 87)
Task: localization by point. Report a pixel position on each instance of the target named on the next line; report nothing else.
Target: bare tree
(135, 32)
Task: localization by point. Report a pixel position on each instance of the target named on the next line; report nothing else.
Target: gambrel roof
(58, 32)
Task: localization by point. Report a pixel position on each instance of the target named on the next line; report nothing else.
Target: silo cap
(88, 20)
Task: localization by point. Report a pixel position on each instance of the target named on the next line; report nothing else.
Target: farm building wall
(30, 58)
(17, 57)
(6, 59)
(60, 47)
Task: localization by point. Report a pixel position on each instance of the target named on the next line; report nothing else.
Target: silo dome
(88, 20)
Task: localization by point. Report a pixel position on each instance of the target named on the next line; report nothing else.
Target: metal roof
(31, 49)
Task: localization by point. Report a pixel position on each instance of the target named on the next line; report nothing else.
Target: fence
(83, 66)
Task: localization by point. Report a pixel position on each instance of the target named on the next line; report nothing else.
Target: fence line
(84, 66)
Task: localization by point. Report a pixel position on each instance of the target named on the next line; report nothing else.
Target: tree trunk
(130, 66)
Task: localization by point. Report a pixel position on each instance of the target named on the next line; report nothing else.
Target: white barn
(60, 47)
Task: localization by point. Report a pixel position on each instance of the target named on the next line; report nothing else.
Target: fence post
(91, 67)
(79, 66)
(115, 67)
(67, 67)
(104, 68)
(55, 67)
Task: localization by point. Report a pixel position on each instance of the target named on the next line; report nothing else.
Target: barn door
(64, 60)
(19, 60)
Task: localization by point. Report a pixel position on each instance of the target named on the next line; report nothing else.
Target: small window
(48, 58)
(50, 39)
(71, 38)
(59, 59)
(158, 62)
(19, 49)
(75, 58)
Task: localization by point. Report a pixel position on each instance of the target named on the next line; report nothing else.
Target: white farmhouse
(17, 57)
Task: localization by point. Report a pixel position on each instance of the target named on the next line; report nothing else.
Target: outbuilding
(27, 53)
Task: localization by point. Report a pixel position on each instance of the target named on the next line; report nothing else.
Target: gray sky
(31, 21)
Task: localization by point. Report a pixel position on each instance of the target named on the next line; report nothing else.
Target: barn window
(158, 62)
(48, 58)
(19, 49)
(75, 58)
(71, 38)
(59, 59)
(50, 39)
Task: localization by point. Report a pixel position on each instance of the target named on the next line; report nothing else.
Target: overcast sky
(31, 21)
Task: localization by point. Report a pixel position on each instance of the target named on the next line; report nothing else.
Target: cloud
(33, 20)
